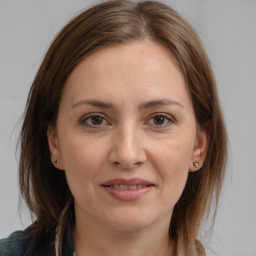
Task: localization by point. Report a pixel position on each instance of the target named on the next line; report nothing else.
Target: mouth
(128, 187)
(128, 184)
(127, 190)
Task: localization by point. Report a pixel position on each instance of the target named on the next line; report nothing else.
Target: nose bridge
(128, 150)
(126, 140)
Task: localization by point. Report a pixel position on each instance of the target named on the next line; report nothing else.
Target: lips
(127, 190)
(129, 182)
(125, 187)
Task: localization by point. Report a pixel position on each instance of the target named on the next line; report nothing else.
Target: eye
(94, 121)
(160, 120)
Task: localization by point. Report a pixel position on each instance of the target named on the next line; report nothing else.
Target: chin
(129, 226)
(130, 221)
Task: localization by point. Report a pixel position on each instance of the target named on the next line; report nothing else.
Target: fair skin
(125, 114)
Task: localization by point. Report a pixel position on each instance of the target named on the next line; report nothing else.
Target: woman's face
(126, 136)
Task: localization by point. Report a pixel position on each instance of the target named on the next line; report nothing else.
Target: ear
(53, 142)
(200, 149)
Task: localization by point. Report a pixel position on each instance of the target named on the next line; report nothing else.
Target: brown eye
(160, 120)
(97, 120)
(94, 121)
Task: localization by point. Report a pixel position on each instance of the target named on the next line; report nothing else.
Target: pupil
(159, 120)
(97, 120)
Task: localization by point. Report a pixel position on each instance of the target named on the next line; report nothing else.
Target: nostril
(127, 155)
(126, 165)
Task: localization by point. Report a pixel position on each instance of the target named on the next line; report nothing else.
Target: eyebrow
(160, 102)
(144, 105)
(94, 103)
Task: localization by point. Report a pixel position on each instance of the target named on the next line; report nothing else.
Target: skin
(131, 139)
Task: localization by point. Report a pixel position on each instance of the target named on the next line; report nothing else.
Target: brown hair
(44, 187)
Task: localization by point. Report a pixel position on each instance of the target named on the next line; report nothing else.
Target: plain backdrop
(228, 31)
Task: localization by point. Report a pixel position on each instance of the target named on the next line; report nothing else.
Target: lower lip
(128, 194)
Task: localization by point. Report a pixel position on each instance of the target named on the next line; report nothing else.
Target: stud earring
(56, 161)
(196, 164)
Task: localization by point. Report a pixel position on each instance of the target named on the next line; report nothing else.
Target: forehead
(150, 56)
(134, 69)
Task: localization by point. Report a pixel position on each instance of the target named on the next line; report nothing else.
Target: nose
(127, 149)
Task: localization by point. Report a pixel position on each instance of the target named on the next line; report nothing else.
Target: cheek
(172, 161)
(82, 161)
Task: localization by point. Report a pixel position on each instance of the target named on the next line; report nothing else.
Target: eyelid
(83, 119)
(169, 117)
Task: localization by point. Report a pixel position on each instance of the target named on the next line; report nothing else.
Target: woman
(123, 142)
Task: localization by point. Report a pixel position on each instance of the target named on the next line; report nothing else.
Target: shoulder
(22, 243)
(15, 244)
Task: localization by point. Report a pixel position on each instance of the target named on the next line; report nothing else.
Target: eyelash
(167, 120)
(90, 117)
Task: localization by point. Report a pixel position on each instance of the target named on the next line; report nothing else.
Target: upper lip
(128, 182)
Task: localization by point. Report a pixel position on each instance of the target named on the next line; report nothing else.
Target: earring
(56, 161)
(196, 164)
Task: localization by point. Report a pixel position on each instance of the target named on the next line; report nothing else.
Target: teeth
(126, 187)
(123, 187)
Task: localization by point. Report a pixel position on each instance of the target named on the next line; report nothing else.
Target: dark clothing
(20, 243)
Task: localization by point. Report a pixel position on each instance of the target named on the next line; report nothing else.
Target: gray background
(228, 31)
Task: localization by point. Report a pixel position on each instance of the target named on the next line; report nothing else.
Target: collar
(63, 235)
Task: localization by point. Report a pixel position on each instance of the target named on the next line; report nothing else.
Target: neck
(93, 239)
